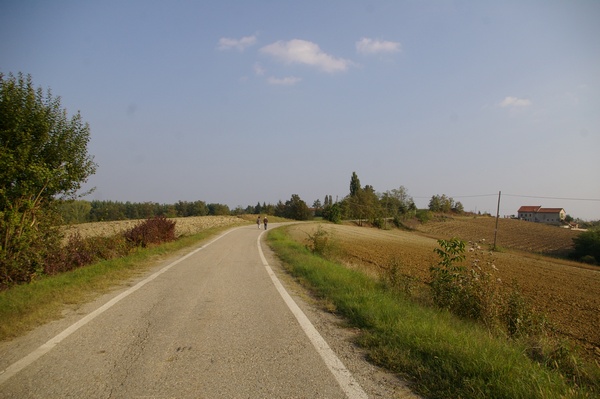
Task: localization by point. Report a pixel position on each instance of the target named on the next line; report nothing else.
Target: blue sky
(239, 102)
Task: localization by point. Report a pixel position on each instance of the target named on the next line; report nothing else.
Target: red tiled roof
(539, 209)
(550, 210)
(530, 209)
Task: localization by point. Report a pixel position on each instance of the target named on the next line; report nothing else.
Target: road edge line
(349, 385)
(19, 365)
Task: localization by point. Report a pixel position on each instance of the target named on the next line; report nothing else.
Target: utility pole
(497, 217)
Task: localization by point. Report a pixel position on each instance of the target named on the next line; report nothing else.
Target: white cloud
(287, 81)
(258, 69)
(304, 52)
(240, 44)
(368, 46)
(515, 102)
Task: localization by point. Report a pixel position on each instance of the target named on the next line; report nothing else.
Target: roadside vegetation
(466, 341)
(25, 306)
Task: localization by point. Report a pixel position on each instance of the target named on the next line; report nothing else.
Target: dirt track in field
(567, 293)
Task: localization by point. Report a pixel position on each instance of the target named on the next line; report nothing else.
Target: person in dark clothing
(265, 221)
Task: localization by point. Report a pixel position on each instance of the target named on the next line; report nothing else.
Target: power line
(519, 196)
(555, 198)
(465, 196)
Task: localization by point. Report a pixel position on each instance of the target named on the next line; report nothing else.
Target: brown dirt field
(512, 233)
(183, 226)
(566, 292)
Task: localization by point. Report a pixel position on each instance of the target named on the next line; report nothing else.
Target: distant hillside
(512, 233)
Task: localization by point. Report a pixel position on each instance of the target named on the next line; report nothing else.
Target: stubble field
(568, 293)
(183, 226)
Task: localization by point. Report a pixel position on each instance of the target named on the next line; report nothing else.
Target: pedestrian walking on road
(265, 220)
(258, 222)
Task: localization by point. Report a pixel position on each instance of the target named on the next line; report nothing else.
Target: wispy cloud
(239, 44)
(287, 81)
(304, 52)
(258, 69)
(368, 46)
(515, 102)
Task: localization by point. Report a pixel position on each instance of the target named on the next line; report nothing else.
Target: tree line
(81, 211)
(363, 204)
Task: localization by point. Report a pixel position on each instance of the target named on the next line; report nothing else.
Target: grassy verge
(26, 306)
(442, 356)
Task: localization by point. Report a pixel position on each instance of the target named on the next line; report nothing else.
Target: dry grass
(183, 227)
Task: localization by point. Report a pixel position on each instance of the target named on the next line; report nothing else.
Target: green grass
(442, 356)
(26, 306)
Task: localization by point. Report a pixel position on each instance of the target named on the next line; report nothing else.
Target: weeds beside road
(442, 355)
(25, 306)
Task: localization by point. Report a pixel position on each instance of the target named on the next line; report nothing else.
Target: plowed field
(566, 292)
(512, 233)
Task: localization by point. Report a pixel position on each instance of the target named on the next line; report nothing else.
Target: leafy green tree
(132, 210)
(43, 157)
(73, 212)
(296, 208)
(103, 211)
(435, 204)
(318, 207)
(397, 203)
(218, 210)
(443, 203)
(333, 213)
(587, 246)
(268, 209)
(458, 207)
(354, 185)
(279, 209)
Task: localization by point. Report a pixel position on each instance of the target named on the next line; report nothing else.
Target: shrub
(109, 247)
(393, 278)
(379, 222)
(24, 248)
(470, 292)
(152, 231)
(423, 215)
(446, 277)
(333, 213)
(518, 317)
(587, 246)
(318, 242)
(81, 251)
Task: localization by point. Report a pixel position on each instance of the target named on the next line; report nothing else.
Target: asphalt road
(214, 324)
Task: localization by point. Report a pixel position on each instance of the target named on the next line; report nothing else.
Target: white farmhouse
(542, 215)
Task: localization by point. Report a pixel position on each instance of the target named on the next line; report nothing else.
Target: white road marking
(45, 348)
(349, 385)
